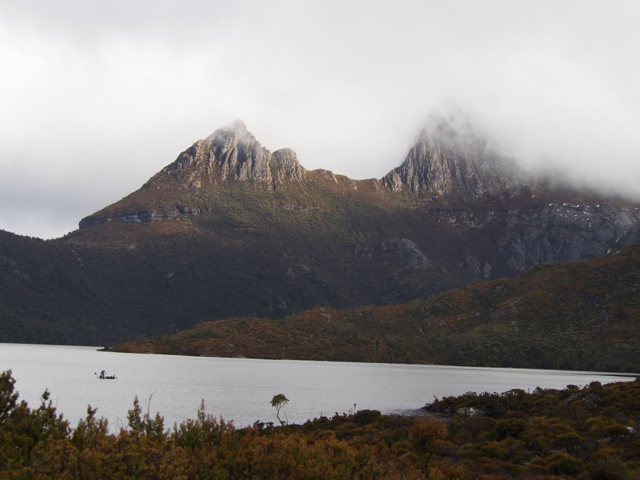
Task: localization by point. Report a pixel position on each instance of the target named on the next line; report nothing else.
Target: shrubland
(574, 315)
(586, 433)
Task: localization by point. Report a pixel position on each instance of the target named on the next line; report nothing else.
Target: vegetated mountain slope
(48, 296)
(231, 229)
(575, 315)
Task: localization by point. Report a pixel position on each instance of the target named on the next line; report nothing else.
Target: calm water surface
(240, 389)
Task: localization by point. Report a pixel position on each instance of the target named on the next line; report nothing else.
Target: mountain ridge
(451, 171)
(231, 229)
(443, 163)
(450, 158)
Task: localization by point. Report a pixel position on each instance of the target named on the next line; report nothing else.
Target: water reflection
(241, 389)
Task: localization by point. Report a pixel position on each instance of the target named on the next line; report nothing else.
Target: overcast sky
(97, 96)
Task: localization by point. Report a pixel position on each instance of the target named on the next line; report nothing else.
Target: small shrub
(511, 427)
(517, 456)
(567, 465)
(427, 437)
(491, 450)
(365, 417)
(567, 442)
(606, 467)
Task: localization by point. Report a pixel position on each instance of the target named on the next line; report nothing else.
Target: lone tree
(278, 402)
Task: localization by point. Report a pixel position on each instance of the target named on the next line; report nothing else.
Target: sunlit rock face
(451, 158)
(285, 165)
(231, 153)
(238, 155)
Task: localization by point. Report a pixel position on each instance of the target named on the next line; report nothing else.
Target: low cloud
(97, 97)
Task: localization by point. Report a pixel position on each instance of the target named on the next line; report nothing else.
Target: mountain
(232, 229)
(451, 159)
(573, 316)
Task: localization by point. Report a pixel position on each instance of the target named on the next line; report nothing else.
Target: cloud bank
(98, 96)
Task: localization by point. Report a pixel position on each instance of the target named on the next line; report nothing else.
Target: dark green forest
(575, 315)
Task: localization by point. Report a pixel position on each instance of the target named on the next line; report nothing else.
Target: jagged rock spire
(285, 164)
(451, 158)
(238, 154)
(233, 153)
(230, 153)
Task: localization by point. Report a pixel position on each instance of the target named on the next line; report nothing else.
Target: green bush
(491, 450)
(567, 442)
(567, 465)
(365, 417)
(605, 467)
(511, 427)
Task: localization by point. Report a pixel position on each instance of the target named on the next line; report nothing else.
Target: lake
(240, 389)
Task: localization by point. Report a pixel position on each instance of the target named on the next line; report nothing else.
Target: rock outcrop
(285, 166)
(406, 253)
(238, 155)
(563, 232)
(230, 153)
(451, 158)
(534, 234)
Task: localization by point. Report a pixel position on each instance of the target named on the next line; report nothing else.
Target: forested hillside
(574, 315)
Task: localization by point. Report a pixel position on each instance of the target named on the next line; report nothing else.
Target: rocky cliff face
(534, 234)
(237, 155)
(230, 153)
(564, 232)
(451, 158)
(285, 166)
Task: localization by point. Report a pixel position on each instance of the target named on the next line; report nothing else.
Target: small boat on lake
(104, 376)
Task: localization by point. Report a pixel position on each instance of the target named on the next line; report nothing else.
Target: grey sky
(97, 96)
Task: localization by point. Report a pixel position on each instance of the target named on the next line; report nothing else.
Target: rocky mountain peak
(231, 153)
(285, 164)
(452, 158)
(238, 155)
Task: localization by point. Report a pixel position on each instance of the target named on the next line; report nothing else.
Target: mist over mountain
(232, 229)
(97, 95)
